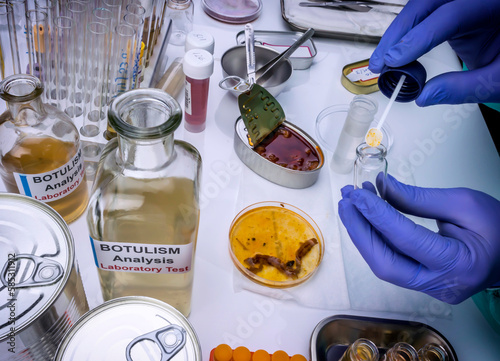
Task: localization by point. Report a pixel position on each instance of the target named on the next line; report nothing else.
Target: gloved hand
(473, 31)
(461, 259)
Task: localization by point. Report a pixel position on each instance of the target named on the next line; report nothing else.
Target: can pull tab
(45, 271)
(170, 339)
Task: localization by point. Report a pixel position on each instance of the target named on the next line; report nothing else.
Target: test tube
(64, 70)
(78, 12)
(9, 56)
(20, 35)
(115, 6)
(95, 76)
(136, 22)
(148, 32)
(39, 47)
(122, 64)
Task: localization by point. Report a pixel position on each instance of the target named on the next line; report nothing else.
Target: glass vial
(432, 352)
(144, 209)
(361, 113)
(181, 13)
(40, 152)
(198, 66)
(361, 350)
(370, 166)
(401, 351)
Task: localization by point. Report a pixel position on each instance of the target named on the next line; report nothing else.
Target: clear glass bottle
(181, 13)
(401, 351)
(144, 209)
(432, 352)
(360, 115)
(370, 166)
(40, 154)
(361, 350)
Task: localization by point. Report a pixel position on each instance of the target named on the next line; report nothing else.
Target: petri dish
(331, 120)
(275, 244)
(234, 12)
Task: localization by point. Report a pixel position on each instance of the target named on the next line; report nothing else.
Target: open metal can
(131, 328)
(41, 292)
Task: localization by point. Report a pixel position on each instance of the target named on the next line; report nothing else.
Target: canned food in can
(41, 292)
(137, 327)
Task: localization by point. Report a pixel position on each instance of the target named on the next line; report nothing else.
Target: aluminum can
(131, 328)
(41, 292)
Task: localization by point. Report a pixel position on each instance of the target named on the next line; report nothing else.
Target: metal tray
(280, 41)
(333, 335)
(286, 5)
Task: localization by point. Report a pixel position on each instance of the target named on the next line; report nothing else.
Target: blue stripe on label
(26, 186)
(93, 251)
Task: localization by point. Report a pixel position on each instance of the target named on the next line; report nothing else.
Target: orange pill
(261, 355)
(280, 355)
(298, 358)
(223, 352)
(241, 354)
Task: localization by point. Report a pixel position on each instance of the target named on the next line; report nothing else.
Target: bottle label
(141, 257)
(187, 90)
(55, 184)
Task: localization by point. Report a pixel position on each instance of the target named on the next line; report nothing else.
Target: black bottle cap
(413, 85)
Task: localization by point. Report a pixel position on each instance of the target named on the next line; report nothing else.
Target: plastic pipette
(374, 135)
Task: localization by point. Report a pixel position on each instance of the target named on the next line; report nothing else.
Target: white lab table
(444, 146)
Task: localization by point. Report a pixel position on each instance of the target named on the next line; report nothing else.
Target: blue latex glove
(461, 259)
(473, 30)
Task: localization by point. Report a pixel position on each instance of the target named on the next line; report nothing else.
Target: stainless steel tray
(286, 5)
(333, 335)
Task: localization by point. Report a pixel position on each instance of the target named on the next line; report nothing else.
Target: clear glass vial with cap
(144, 208)
(370, 166)
(360, 114)
(432, 352)
(181, 13)
(40, 153)
(361, 350)
(401, 351)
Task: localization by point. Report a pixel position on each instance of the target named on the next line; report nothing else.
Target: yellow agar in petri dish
(277, 232)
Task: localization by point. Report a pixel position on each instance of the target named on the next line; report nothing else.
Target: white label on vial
(53, 185)
(187, 96)
(361, 74)
(141, 257)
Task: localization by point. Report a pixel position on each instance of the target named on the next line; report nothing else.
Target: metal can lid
(37, 255)
(412, 86)
(358, 79)
(141, 328)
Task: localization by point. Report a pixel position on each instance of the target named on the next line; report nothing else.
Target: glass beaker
(370, 166)
(144, 209)
(40, 151)
(361, 350)
(181, 13)
(401, 351)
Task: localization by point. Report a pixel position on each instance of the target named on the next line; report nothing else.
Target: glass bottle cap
(412, 87)
(230, 11)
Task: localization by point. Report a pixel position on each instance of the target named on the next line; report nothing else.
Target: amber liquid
(39, 155)
(155, 211)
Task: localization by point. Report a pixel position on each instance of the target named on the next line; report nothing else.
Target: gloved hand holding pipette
(471, 28)
(461, 259)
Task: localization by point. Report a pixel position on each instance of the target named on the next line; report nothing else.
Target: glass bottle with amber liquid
(144, 208)
(40, 154)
